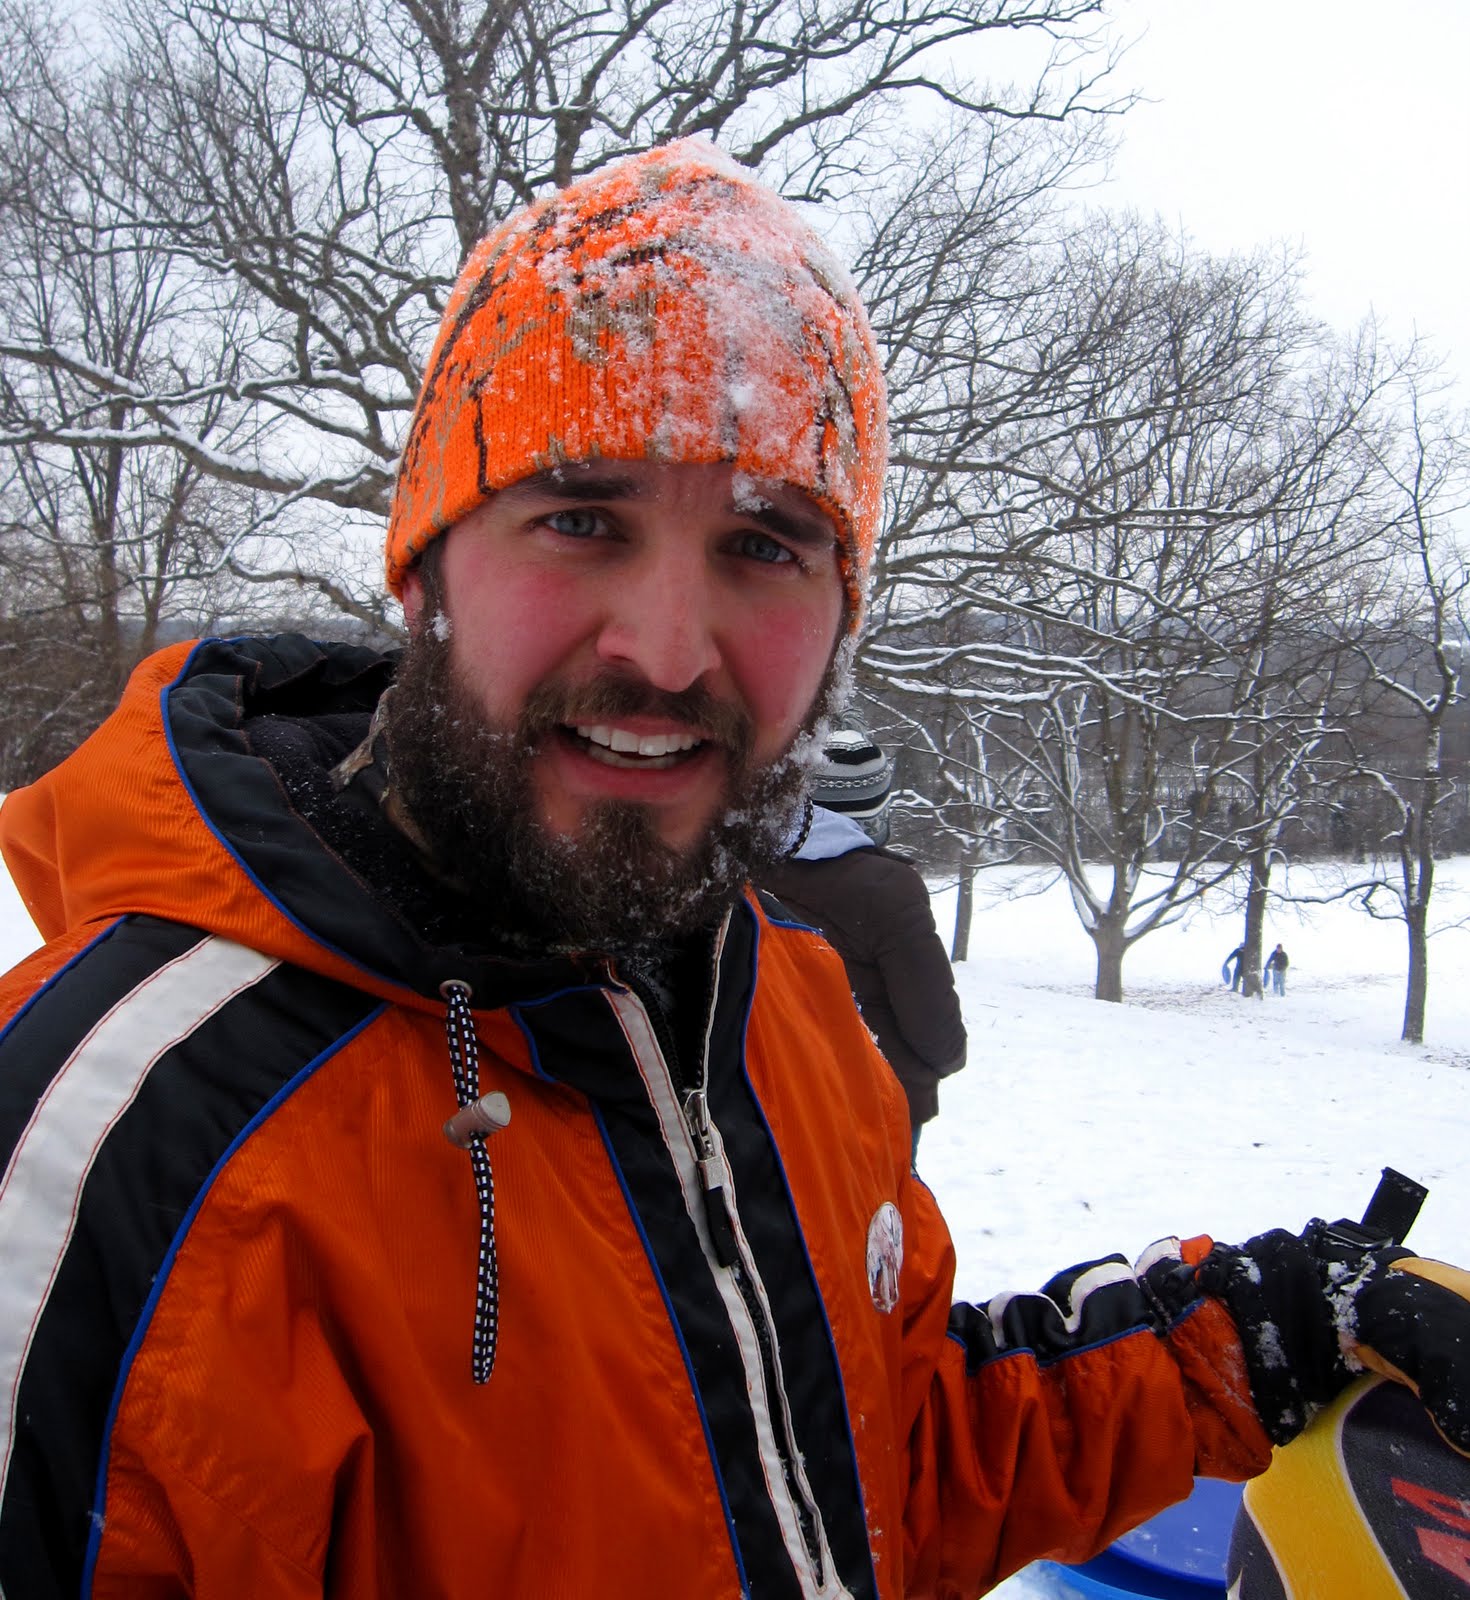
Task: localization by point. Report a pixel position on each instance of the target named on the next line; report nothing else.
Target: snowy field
(1080, 1128)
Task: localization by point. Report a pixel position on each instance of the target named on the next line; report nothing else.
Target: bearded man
(430, 1170)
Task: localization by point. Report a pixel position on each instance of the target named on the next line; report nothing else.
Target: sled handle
(1395, 1204)
(1390, 1214)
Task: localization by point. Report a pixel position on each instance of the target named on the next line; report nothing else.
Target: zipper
(728, 1255)
(695, 1104)
(720, 1215)
(711, 1181)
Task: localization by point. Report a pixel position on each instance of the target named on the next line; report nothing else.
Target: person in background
(872, 906)
(1232, 972)
(1275, 973)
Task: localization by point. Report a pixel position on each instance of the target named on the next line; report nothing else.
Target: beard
(614, 886)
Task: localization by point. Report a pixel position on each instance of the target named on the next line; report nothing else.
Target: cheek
(783, 655)
(512, 633)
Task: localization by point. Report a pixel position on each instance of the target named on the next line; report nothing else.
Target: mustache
(552, 705)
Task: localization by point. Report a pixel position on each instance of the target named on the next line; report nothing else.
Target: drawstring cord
(477, 1116)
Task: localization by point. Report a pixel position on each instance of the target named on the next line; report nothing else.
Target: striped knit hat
(665, 308)
(854, 776)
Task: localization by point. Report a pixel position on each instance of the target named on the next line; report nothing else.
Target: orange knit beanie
(665, 308)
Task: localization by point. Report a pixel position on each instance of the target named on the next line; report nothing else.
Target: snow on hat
(854, 776)
(665, 308)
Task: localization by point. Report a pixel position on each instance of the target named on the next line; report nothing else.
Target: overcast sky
(1338, 125)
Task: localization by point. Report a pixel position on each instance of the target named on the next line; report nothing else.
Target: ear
(411, 593)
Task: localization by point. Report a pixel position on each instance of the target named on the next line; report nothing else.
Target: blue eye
(575, 522)
(762, 547)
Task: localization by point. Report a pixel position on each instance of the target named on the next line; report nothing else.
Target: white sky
(1339, 125)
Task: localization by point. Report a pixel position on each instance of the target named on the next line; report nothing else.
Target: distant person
(1232, 973)
(1275, 973)
(873, 908)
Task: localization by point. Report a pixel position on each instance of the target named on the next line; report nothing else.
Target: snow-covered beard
(614, 886)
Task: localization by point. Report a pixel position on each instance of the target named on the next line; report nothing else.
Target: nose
(660, 618)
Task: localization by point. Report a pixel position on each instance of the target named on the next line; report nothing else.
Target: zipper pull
(706, 1159)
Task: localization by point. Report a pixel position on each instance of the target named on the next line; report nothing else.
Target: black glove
(1315, 1310)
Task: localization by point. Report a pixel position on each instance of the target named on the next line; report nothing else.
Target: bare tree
(946, 256)
(1111, 548)
(1412, 667)
(1316, 555)
(102, 538)
(316, 172)
(949, 811)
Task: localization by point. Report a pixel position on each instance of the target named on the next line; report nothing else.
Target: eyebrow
(564, 484)
(811, 530)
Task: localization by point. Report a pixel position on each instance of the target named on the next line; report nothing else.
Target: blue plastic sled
(1177, 1555)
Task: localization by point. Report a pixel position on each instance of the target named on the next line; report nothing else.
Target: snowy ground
(1087, 1127)
(1081, 1128)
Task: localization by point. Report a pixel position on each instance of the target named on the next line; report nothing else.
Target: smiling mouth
(642, 752)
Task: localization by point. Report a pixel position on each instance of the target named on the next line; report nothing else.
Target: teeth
(624, 742)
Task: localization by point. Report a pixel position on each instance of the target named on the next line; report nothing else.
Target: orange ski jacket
(681, 1327)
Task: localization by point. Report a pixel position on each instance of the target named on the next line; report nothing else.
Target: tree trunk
(1418, 871)
(1255, 923)
(1108, 938)
(964, 909)
(1416, 919)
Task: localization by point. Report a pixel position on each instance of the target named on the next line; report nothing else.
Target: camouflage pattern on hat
(665, 308)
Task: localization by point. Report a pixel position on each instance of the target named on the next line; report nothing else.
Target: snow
(1234, 1115)
(1080, 1128)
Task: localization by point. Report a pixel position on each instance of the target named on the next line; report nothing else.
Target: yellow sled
(1369, 1503)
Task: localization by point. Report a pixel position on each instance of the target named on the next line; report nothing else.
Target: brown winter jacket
(873, 908)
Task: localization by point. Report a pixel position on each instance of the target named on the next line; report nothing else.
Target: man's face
(639, 646)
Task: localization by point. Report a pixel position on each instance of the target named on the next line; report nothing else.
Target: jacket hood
(831, 834)
(189, 804)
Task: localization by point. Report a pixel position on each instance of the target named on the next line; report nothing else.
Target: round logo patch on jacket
(885, 1255)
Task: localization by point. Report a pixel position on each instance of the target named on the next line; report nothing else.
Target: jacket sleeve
(1047, 1424)
(917, 975)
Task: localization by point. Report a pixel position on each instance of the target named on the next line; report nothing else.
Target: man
(428, 1171)
(873, 906)
(1275, 974)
